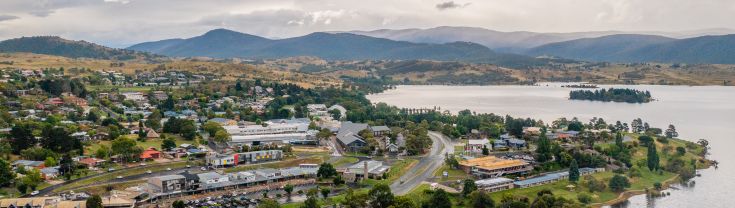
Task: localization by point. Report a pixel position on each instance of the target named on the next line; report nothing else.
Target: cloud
(450, 5)
(4, 17)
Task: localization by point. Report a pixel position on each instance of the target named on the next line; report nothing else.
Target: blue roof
(516, 141)
(547, 177)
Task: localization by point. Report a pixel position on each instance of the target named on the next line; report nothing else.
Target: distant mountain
(223, 43)
(52, 45)
(644, 48)
(496, 40)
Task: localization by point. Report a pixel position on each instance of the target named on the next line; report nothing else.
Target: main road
(426, 166)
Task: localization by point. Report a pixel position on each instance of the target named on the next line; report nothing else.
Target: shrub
(584, 198)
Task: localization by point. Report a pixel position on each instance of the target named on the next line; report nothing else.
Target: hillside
(644, 48)
(52, 45)
(223, 43)
(496, 40)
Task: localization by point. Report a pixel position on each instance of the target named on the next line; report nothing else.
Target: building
(50, 172)
(476, 145)
(29, 163)
(242, 176)
(277, 130)
(168, 183)
(553, 177)
(212, 179)
(33, 202)
(245, 157)
(135, 96)
(492, 167)
(150, 154)
(342, 110)
(91, 162)
(318, 110)
(348, 136)
(372, 168)
(380, 130)
(494, 184)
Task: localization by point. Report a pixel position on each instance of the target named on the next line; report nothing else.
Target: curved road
(426, 165)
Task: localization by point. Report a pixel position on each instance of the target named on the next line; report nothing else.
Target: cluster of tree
(612, 95)
(184, 127)
(57, 86)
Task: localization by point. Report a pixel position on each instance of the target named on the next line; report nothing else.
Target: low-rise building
(492, 167)
(494, 184)
(365, 169)
(168, 183)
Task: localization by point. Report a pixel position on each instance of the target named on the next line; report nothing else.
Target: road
(426, 166)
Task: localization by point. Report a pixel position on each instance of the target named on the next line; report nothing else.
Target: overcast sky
(124, 22)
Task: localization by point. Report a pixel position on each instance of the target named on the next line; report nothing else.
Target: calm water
(706, 112)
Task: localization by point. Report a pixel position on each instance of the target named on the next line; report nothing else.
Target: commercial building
(280, 130)
(494, 184)
(244, 157)
(168, 183)
(365, 169)
(492, 167)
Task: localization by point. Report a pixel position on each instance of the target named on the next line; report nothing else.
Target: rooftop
(491, 162)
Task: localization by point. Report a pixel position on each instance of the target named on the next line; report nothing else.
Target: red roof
(90, 161)
(150, 153)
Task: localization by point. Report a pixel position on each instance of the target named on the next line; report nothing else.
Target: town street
(426, 165)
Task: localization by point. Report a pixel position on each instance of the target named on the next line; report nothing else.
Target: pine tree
(573, 171)
(671, 132)
(653, 160)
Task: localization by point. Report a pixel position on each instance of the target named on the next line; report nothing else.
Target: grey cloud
(7, 17)
(450, 5)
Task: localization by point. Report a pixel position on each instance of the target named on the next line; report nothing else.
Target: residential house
(491, 166)
(150, 154)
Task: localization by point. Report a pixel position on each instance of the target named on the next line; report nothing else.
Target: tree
(33, 179)
(49, 162)
(212, 127)
(485, 150)
(154, 120)
(652, 159)
(618, 183)
(440, 199)
(404, 202)
(6, 173)
(22, 137)
(268, 203)
(326, 170)
(126, 148)
(325, 192)
(671, 132)
(469, 187)
(59, 140)
(311, 199)
(288, 188)
(381, 196)
(481, 199)
(168, 143)
(222, 136)
(95, 201)
(188, 130)
(574, 171)
(355, 200)
(543, 151)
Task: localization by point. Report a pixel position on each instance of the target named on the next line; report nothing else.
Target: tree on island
(574, 171)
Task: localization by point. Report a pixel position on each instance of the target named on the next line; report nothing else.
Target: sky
(120, 23)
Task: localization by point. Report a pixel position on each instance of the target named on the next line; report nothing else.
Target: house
(494, 184)
(192, 180)
(50, 172)
(476, 145)
(492, 167)
(151, 134)
(91, 162)
(150, 153)
(532, 131)
(515, 143)
(348, 136)
(168, 183)
(55, 101)
(33, 202)
(81, 136)
(29, 163)
(380, 130)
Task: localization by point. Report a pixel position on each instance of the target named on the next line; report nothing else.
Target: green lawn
(453, 174)
(345, 161)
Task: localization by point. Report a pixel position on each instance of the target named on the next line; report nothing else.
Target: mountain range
(53, 45)
(644, 48)
(222, 43)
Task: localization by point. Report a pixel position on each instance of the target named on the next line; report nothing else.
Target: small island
(612, 95)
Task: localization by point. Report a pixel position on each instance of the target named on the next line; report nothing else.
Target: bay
(698, 112)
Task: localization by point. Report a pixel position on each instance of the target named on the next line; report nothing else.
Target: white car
(119, 177)
(149, 172)
(111, 169)
(142, 164)
(168, 168)
(203, 168)
(34, 193)
(188, 166)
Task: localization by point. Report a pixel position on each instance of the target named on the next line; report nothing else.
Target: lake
(698, 112)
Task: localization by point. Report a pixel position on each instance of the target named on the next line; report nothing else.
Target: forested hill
(222, 43)
(52, 45)
(644, 48)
